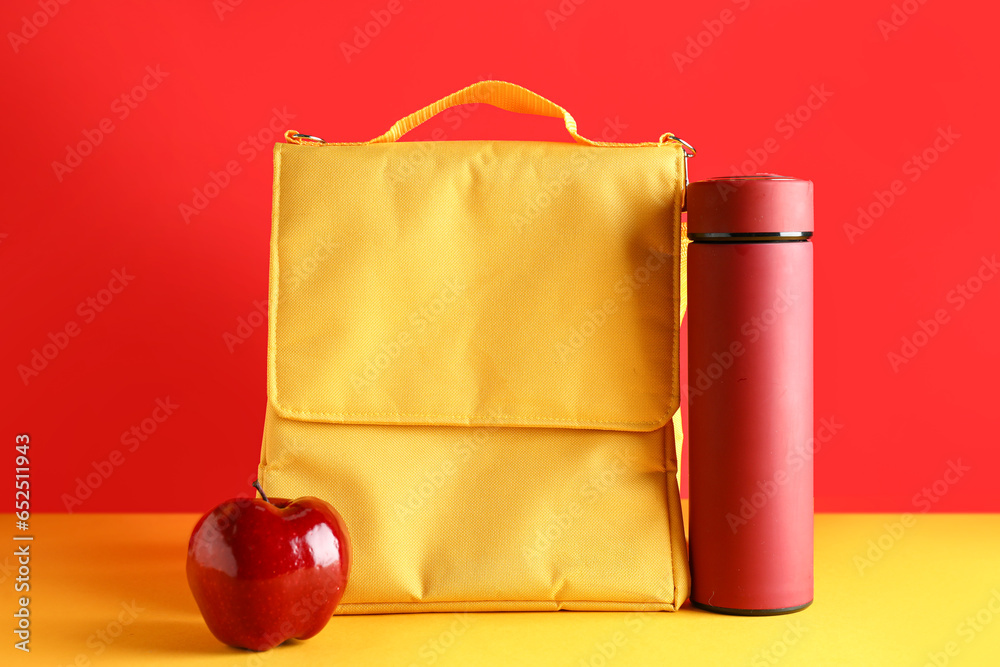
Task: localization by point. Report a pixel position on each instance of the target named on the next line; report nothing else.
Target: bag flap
(476, 283)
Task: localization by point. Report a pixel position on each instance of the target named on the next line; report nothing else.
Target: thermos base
(750, 612)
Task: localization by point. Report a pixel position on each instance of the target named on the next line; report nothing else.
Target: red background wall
(888, 107)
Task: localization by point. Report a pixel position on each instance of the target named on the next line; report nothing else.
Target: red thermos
(750, 392)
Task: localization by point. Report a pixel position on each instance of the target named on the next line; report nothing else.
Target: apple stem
(256, 485)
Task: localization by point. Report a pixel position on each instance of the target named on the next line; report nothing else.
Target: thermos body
(750, 379)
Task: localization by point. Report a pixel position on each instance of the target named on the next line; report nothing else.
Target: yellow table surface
(110, 589)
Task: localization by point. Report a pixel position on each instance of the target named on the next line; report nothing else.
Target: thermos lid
(754, 207)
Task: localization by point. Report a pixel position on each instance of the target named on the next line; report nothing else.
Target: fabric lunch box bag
(473, 355)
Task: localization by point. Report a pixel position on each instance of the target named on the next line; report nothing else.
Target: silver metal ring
(308, 136)
(689, 150)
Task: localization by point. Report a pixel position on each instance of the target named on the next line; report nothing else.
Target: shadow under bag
(473, 355)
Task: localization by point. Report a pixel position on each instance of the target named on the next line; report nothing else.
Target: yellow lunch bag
(473, 355)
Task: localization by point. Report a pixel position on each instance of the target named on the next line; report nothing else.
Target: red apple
(263, 571)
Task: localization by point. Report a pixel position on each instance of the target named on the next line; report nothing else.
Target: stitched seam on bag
(434, 602)
(671, 478)
(272, 276)
(487, 418)
(666, 500)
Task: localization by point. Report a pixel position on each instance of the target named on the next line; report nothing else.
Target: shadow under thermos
(750, 378)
